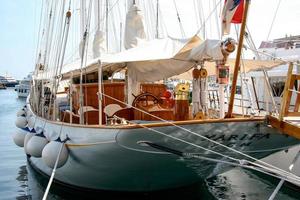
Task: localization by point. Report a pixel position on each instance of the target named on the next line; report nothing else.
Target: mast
(83, 58)
(238, 60)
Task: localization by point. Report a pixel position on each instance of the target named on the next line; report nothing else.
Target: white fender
(30, 122)
(21, 122)
(29, 114)
(36, 145)
(21, 112)
(28, 136)
(50, 153)
(19, 137)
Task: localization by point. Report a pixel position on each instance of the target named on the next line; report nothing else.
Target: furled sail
(98, 43)
(135, 28)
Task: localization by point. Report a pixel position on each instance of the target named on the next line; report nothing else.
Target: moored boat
(133, 134)
(23, 88)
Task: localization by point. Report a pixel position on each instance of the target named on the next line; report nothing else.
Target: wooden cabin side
(151, 99)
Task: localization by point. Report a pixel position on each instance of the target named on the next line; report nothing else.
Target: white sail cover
(159, 59)
(135, 28)
(208, 50)
(155, 60)
(98, 43)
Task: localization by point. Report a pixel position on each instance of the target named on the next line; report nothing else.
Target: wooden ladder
(287, 95)
(288, 120)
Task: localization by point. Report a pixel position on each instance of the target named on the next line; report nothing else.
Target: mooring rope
(53, 172)
(57, 158)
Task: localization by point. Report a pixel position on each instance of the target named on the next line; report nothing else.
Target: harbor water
(19, 181)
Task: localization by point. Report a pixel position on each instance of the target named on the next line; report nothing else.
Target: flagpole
(237, 61)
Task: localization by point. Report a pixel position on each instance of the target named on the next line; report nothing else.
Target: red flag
(232, 13)
(238, 15)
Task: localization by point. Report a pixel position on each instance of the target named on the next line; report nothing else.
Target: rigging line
(240, 162)
(247, 86)
(196, 13)
(269, 88)
(47, 35)
(106, 24)
(201, 15)
(84, 59)
(40, 35)
(56, 161)
(267, 54)
(91, 31)
(251, 43)
(194, 133)
(48, 21)
(56, 62)
(157, 22)
(65, 39)
(217, 20)
(181, 140)
(208, 17)
(52, 30)
(271, 27)
(179, 20)
(60, 38)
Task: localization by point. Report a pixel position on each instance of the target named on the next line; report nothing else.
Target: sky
(19, 25)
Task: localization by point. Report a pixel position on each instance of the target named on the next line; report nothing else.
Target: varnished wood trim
(285, 103)
(161, 124)
(293, 114)
(153, 125)
(297, 103)
(296, 76)
(285, 127)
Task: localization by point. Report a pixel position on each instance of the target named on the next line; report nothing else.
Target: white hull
(111, 158)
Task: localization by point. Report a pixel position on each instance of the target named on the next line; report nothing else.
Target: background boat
(23, 88)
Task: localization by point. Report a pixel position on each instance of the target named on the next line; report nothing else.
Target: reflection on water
(19, 181)
(244, 184)
(22, 178)
(38, 183)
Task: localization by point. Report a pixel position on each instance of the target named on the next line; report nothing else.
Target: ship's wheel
(145, 100)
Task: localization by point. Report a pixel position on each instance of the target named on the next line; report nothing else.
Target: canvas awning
(163, 58)
(248, 65)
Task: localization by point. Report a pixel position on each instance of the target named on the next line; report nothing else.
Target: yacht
(8, 81)
(23, 89)
(97, 133)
